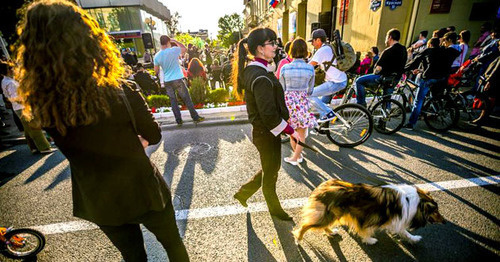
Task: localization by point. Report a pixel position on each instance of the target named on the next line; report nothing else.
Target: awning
(126, 34)
(153, 7)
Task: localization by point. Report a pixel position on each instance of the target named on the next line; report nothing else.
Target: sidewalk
(213, 116)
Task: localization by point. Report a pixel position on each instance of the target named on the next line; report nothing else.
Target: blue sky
(203, 14)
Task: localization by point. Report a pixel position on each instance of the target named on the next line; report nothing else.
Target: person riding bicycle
(335, 80)
(436, 63)
(388, 68)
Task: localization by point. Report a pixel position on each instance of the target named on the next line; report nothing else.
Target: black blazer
(265, 99)
(113, 181)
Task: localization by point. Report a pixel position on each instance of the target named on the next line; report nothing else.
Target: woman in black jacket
(71, 80)
(267, 113)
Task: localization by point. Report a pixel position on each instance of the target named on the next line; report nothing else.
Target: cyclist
(390, 65)
(436, 62)
(335, 80)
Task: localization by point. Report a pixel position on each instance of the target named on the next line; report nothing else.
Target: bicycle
(351, 126)
(20, 243)
(387, 113)
(440, 112)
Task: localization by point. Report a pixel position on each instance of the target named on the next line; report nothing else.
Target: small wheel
(23, 243)
(388, 116)
(441, 113)
(356, 130)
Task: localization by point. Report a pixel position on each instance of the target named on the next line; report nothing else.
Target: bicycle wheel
(352, 126)
(23, 243)
(388, 116)
(441, 113)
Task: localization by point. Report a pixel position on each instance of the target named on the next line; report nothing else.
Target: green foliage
(230, 27)
(219, 95)
(184, 38)
(198, 90)
(158, 101)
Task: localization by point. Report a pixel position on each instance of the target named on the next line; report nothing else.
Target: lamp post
(151, 24)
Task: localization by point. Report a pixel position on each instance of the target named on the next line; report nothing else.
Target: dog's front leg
(411, 238)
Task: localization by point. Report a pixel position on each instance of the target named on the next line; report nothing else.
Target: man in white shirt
(335, 80)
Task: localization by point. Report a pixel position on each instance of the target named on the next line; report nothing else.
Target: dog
(365, 208)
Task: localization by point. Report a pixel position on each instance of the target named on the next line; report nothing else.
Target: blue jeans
(325, 89)
(180, 86)
(423, 90)
(370, 81)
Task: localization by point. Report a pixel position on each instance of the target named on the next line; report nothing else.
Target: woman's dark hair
(287, 46)
(424, 33)
(195, 67)
(257, 37)
(434, 42)
(375, 50)
(299, 48)
(465, 36)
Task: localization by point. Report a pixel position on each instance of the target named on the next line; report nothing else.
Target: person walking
(36, 140)
(100, 124)
(168, 60)
(297, 79)
(267, 113)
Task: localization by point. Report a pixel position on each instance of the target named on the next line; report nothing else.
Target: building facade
(125, 20)
(364, 23)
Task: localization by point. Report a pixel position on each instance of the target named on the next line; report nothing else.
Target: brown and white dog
(365, 208)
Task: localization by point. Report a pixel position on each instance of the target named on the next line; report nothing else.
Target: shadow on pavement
(256, 250)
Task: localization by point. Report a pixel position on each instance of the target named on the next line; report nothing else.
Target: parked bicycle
(388, 114)
(20, 243)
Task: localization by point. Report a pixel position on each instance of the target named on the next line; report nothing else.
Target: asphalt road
(205, 165)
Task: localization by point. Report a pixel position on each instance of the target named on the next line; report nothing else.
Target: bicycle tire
(361, 121)
(35, 247)
(437, 109)
(384, 125)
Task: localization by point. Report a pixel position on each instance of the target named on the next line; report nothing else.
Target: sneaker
(326, 117)
(179, 123)
(408, 126)
(48, 151)
(291, 162)
(199, 119)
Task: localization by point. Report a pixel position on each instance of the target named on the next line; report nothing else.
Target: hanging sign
(375, 4)
(393, 4)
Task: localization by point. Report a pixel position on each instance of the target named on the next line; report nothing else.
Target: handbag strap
(129, 109)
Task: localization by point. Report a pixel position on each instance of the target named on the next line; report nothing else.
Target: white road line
(219, 211)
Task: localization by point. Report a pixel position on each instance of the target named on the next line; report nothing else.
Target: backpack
(343, 52)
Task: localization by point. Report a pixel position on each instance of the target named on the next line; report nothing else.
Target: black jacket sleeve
(415, 63)
(266, 103)
(147, 127)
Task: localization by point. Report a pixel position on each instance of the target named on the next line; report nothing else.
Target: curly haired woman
(71, 81)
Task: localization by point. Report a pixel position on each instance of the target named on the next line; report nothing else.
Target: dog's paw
(414, 239)
(370, 240)
(332, 232)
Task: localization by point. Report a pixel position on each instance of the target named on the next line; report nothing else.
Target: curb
(206, 111)
(207, 123)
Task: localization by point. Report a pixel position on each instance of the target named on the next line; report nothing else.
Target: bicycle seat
(388, 81)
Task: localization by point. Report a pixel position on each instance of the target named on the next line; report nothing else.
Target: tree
(173, 24)
(230, 27)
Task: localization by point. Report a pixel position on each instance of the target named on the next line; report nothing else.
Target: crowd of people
(96, 116)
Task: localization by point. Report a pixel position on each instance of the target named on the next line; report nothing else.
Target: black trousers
(129, 241)
(269, 148)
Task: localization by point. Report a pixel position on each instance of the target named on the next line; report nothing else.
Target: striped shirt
(297, 76)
